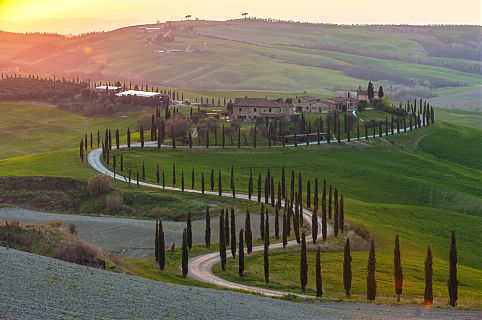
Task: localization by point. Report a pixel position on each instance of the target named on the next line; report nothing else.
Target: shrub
(99, 184)
(114, 203)
(160, 212)
(72, 229)
(56, 223)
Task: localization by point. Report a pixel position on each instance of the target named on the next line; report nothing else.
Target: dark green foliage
(303, 264)
(250, 184)
(226, 227)
(182, 181)
(189, 231)
(397, 269)
(276, 222)
(266, 225)
(143, 171)
(266, 258)
(241, 253)
(308, 193)
(318, 279)
(233, 189)
(428, 293)
(222, 241)
(193, 179)
(285, 230)
(162, 247)
(261, 222)
(141, 135)
(315, 195)
(202, 182)
(158, 176)
(117, 143)
(347, 276)
(314, 225)
(212, 180)
(259, 187)
(248, 235)
(185, 254)
(174, 174)
(371, 281)
(453, 283)
(233, 233)
(207, 233)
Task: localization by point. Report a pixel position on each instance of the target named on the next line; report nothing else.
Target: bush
(114, 203)
(160, 212)
(78, 253)
(56, 223)
(99, 184)
(72, 229)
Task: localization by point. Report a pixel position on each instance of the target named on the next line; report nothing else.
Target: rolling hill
(255, 54)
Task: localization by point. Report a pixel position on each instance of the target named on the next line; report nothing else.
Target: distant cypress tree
(292, 186)
(233, 189)
(300, 188)
(143, 171)
(266, 258)
(318, 277)
(189, 230)
(141, 135)
(250, 184)
(347, 276)
(81, 150)
(248, 235)
(341, 216)
(241, 253)
(207, 232)
(222, 241)
(190, 139)
(323, 212)
(453, 283)
(371, 281)
(239, 137)
(315, 194)
(193, 179)
(283, 182)
(261, 222)
(233, 233)
(303, 264)
(285, 230)
(276, 222)
(226, 227)
(163, 180)
(271, 189)
(162, 247)
(117, 142)
(182, 181)
(156, 242)
(358, 130)
(308, 193)
(259, 187)
(158, 176)
(314, 225)
(185, 254)
(202, 182)
(128, 137)
(174, 174)
(212, 180)
(254, 136)
(397, 266)
(366, 132)
(220, 187)
(173, 137)
(266, 189)
(428, 293)
(137, 178)
(330, 202)
(266, 226)
(223, 138)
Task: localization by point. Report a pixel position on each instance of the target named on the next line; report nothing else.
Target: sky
(115, 12)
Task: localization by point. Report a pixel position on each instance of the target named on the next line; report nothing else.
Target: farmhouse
(137, 93)
(312, 104)
(362, 95)
(341, 103)
(252, 108)
(108, 89)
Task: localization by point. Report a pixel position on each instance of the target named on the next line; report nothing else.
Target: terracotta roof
(342, 99)
(258, 102)
(359, 91)
(308, 98)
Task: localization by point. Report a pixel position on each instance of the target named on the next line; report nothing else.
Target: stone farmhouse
(362, 95)
(249, 109)
(312, 104)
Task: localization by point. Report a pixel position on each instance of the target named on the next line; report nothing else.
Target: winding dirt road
(200, 267)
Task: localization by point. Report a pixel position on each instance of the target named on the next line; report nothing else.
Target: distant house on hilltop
(249, 109)
(362, 95)
(312, 104)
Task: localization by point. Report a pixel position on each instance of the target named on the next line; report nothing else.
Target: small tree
(162, 247)
(347, 276)
(241, 253)
(185, 254)
(319, 282)
(222, 241)
(276, 222)
(285, 230)
(189, 231)
(303, 264)
(371, 281)
(428, 293)
(233, 233)
(453, 283)
(397, 264)
(207, 233)
(248, 235)
(226, 227)
(141, 134)
(261, 222)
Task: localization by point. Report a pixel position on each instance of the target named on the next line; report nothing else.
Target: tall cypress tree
(397, 269)
(315, 195)
(226, 227)
(428, 293)
(207, 232)
(250, 184)
(174, 174)
(222, 241)
(266, 225)
(143, 171)
(261, 222)
(182, 181)
(314, 225)
(453, 283)
(248, 235)
(323, 212)
(371, 281)
(285, 230)
(259, 187)
(233, 233)
(283, 182)
(303, 264)
(308, 193)
(341, 216)
(241, 253)
(347, 276)
(276, 222)
(161, 247)
(212, 180)
(266, 258)
(193, 179)
(185, 254)
(318, 279)
(202, 182)
(233, 189)
(117, 142)
(189, 230)
(158, 176)
(141, 135)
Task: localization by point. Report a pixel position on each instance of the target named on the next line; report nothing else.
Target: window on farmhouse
(269, 109)
(254, 109)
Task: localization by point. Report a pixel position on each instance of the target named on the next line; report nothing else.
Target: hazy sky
(337, 11)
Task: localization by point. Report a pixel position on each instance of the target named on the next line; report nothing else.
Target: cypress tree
(182, 181)
(185, 254)
(239, 137)
(162, 247)
(173, 137)
(318, 279)
(358, 130)
(453, 283)
(276, 222)
(212, 180)
(141, 134)
(174, 174)
(159, 138)
(163, 180)
(371, 281)
(296, 222)
(266, 189)
(202, 182)
(397, 269)
(248, 235)
(158, 176)
(156, 242)
(128, 137)
(303, 264)
(137, 178)
(283, 182)
(250, 184)
(259, 187)
(190, 139)
(223, 139)
(193, 179)
(271, 189)
(341, 216)
(241, 253)
(314, 225)
(366, 132)
(189, 231)
(428, 293)
(315, 195)
(308, 193)
(254, 137)
(207, 138)
(347, 276)
(220, 187)
(266, 225)
(226, 227)
(207, 232)
(233, 233)
(285, 231)
(261, 222)
(292, 186)
(300, 188)
(117, 142)
(222, 241)
(266, 259)
(143, 172)
(81, 150)
(233, 189)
